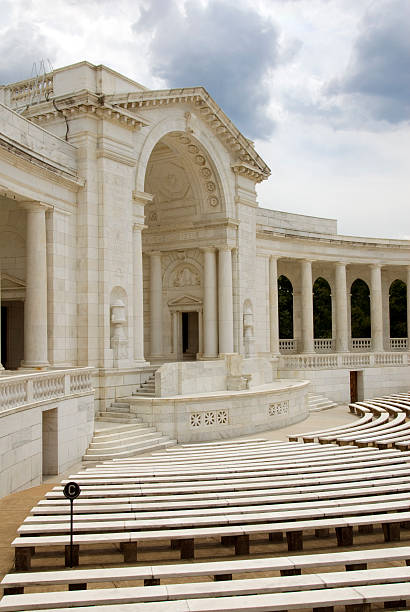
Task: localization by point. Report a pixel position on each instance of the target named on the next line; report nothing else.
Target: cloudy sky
(321, 86)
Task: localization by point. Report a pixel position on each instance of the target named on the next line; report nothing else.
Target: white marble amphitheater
(139, 272)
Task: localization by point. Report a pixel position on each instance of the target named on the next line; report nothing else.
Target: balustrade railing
(398, 344)
(287, 345)
(22, 389)
(361, 344)
(324, 345)
(342, 360)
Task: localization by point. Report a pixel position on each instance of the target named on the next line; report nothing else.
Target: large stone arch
(177, 123)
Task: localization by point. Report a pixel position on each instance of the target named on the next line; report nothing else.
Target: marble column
(342, 323)
(35, 305)
(138, 294)
(273, 305)
(307, 306)
(408, 307)
(225, 301)
(376, 307)
(210, 314)
(1, 365)
(156, 304)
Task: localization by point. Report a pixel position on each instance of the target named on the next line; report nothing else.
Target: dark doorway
(12, 334)
(190, 335)
(353, 387)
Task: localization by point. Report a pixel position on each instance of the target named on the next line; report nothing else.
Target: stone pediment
(184, 300)
(12, 287)
(11, 282)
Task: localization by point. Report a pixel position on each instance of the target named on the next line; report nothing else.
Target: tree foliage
(285, 305)
(398, 309)
(360, 309)
(322, 309)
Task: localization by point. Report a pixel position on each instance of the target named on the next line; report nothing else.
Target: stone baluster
(342, 326)
(138, 294)
(225, 301)
(156, 304)
(210, 314)
(35, 306)
(273, 305)
(376, 307)
(307, 307)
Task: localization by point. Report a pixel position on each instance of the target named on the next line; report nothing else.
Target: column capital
(142, 198)
(154, 253)
(341, 263)
(208, 249)
(375, 266)
(225, 247)
(274, 257)
(35, 206)
(138, 226)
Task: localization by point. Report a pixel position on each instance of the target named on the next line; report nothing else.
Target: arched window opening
(285, 306)
(322, 309)
(360, 309)
(398, 309)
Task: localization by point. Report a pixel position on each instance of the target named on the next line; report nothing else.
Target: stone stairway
(319, 402)
(120, 433)
(146, 389)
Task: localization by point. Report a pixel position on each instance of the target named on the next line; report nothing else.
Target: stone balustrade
(398, 344)
(324, 345)
(19, 390)
(361, 344)
(342, 360)
(288, 345)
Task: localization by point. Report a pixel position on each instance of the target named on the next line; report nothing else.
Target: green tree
(285, 306)
(360, 309)
(322, 309)
(398, 309)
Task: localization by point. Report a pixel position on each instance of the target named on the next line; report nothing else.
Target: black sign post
(71, 491)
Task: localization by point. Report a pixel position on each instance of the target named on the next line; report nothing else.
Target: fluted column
(273, 306)
(156, 304)
(342, 326)
(138, 294)
(376, 307)
(225, 301)
(408, 308)
(307, 306)
(35, 306)
(210, 314)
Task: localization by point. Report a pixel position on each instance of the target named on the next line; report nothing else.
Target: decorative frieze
(278, 408)
(209, 418)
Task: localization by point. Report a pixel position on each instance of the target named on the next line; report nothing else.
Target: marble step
(317, 403)
(144, 447)
(139, 435)
(120, 406)
(117, 435)
(117, 417)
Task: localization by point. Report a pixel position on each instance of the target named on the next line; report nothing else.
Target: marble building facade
(131, 237)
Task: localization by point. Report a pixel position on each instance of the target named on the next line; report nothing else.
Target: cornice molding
(82, 103)
(208, 110)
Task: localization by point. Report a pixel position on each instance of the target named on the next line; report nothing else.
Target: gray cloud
(377, 80)
(20, 47)
(229, 49)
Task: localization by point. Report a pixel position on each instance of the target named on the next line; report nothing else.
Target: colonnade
(217, 302)
(341, 306)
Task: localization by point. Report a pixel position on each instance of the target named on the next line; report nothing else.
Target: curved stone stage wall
(194, 412)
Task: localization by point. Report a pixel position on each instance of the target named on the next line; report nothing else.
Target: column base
(34, 365)
(141, 363)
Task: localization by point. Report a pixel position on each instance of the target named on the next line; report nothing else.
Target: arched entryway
(398, 314)
(180, 261)
(285, 308)
(360, 314)
(322, 309)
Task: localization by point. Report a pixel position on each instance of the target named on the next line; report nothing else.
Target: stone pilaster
(273, 306)
(210, 301)
(376, 307)
(138, 294)
(35, 307)
(1, 365)
(156, 304)
(225, 301)
(342, 327)
(307, 306)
